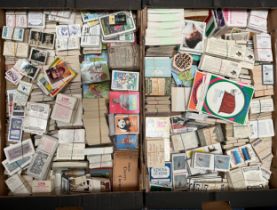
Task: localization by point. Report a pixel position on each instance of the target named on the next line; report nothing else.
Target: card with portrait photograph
(47, 40)
(41, 39)
(193, 36)
(59, 73)
(38, 56)
(26, 68)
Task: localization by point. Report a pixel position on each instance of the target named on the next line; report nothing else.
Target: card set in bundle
(126, 142)
(123, 102)
(96, 90)
(211, 162)
(42, 39)
(56, 77)
(94, 68)
(124, 124)
(11, 33)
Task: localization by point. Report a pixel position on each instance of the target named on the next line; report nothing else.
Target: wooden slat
(2, 107)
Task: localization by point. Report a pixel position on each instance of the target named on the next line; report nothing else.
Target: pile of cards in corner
(208, 99)
(72, 106)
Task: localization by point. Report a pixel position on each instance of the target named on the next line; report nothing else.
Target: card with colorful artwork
(124, 102)
(197, 90)
(227, 99)
(126, 124)
(94, 68)
(125, 80)
(126, 142)
(97, 90)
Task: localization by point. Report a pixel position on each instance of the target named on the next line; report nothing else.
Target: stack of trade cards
(208, 105)
(60, 67)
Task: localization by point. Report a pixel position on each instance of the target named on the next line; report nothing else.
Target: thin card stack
(66, 78)
(208, 106)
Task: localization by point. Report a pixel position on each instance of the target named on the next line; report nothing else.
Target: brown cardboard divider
(175, 200)
(212, 205)
(95, 201)
(257, 198)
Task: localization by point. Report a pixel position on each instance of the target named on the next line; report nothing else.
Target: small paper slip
(42, 186)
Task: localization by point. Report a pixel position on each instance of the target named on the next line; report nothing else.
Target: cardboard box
(125, 171)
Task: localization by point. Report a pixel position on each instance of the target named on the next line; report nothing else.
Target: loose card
(123, 80)
(112, 30)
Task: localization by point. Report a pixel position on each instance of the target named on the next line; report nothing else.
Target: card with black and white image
(180, 181)
(18, 110)
(48, 40)
(15, 129)
(179, 162)
(26, 68)
(193, 36)
(222, 163)
(203, 161)
(22, 93)
(38, 56)
(41, 39)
